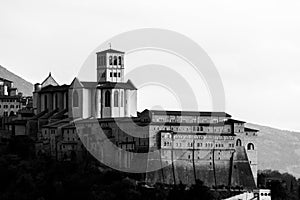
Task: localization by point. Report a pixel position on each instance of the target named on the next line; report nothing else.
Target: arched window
(45, 102)
(116, 99)
(122, 98)
(250, 146)
(120, 60)
(55, 101)
(107, 98)
(110, 60)
(75, 99)
(115, 60)
(238, 143)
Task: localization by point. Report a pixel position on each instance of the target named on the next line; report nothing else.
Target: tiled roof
(39, 114)
(49, 114)
(113, 85)
(110, 51)
(191, 113)
(57, 123)
(71, 125)
(60, 114)
(87, 84)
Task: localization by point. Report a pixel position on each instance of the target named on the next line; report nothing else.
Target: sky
(255, 46)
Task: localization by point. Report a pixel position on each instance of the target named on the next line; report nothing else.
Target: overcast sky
(255, 45)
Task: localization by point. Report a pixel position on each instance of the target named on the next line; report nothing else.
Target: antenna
(109, 45)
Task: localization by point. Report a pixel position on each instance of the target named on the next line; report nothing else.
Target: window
(116, 99)
(45, 102)
(119, 74)
(250, 146)
(115, 60)
(75, 99)
(110, 60)
(107, 98)
(120, 60)
(238, 142)
(122, 98)
(110, 74)
(56, 101)
(12, 106)
(115, 74)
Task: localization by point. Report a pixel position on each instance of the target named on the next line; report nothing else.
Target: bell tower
(110, 66)
(114, 96)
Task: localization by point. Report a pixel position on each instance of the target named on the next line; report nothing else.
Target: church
(210, 146)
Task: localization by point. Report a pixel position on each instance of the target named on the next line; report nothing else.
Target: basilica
(210, 146)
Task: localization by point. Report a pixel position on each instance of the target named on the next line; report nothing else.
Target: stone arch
(238, 143)
(250, 146)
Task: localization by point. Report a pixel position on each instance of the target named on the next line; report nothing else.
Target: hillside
(278, 149)
(23, 86)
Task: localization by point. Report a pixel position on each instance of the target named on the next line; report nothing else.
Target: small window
(75, 99)
(110, 74)
(250, 146)
(116, 99)
(107, 99)
(122, 98)
(120, 60)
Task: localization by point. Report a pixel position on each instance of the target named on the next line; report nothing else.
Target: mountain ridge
(23, 86)
(278, 149)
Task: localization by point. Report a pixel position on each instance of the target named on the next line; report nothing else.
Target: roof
(71, 125)
(109, 51)
(58, 88)
(191, 113)
(234, 121)
(3, 79)
(17, 122)
(49, 81)
(57, 123)
(114, 85)
(9, 97)
(90, 84)
(49, 114)
(39, 114)
(251, 130)
(60, 114)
